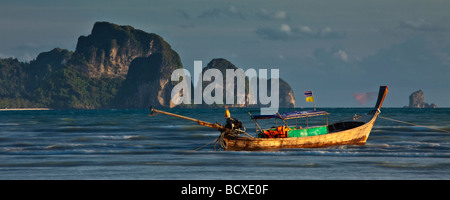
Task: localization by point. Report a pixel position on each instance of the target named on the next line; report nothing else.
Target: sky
(334, 48)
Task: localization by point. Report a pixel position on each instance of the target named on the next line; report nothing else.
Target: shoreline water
(127, 144)
(8, 109)
(305, 108)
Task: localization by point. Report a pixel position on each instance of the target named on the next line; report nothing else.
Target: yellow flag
(309, 99)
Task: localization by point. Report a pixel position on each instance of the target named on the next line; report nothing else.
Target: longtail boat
(353, 131)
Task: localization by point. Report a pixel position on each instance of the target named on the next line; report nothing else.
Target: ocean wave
(121, 137)
(12, 149)
(290, 164)
(427, 128)
(46, 164)
(410, 165)
(62, 146)
(9, 124)
(184, 127)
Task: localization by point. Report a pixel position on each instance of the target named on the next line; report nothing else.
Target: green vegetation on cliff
(68, 88)
(36, 85)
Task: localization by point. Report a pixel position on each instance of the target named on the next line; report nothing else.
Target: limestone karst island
(113, 67)
(417, 100)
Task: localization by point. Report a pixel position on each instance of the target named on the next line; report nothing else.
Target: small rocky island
(417, 100)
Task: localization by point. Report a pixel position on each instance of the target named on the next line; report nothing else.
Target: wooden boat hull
(354, 136)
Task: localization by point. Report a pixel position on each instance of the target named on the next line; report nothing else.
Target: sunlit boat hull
(353, 136)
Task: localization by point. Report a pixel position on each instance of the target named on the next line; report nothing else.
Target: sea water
(129, 144)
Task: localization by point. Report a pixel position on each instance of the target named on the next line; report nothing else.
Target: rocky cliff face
(222, 65)
(417, 100)
(109, 49)
(286, 95)
(145, 60)
(148, 81)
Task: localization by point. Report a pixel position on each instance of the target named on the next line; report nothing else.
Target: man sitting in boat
(232, 123)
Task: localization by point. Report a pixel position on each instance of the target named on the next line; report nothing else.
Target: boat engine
(233, 124)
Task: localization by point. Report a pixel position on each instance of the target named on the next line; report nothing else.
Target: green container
(308, 132)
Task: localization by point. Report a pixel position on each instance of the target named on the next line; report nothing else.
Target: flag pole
(312, 94)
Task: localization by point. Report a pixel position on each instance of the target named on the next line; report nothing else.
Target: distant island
(113, 67)
(417, 100)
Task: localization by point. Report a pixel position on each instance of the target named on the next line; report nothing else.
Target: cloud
(421, 24)
(183, 14)
(286, 29)
(341, 54)
(332, 57)
(277, 15)
(412, 62)
(328, 33)
(305, 30)
(286, 32)
(230, 11)
(233, 12)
